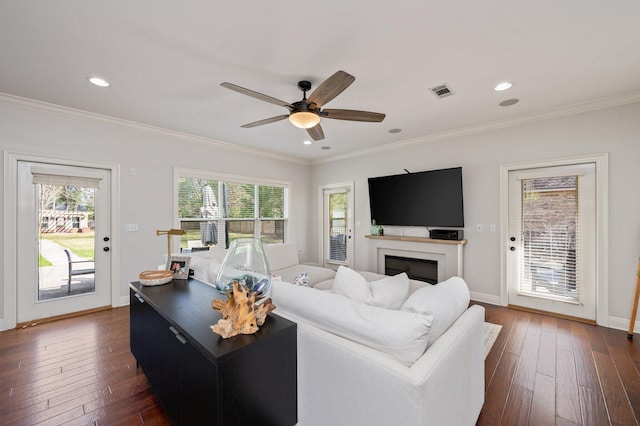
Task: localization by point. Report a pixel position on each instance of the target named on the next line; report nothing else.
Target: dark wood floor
(540, 371)
(549, 371)
(76, 371)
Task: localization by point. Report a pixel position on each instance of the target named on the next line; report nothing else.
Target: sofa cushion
(384, 291)
(390, 292)
(205, 264)
(444, 302)
(351, 284)
(281, 256)
(400, 334)
(316, 273)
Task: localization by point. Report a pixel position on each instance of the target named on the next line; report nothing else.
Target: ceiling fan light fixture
(304, 119)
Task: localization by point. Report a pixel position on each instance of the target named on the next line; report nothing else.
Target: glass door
(552, 244)
(337, 217)
(63, 246)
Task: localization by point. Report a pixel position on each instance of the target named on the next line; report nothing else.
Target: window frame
(180, 172)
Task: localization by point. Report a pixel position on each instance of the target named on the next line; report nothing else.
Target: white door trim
(350, 221)
(602, 225)
(11, 159)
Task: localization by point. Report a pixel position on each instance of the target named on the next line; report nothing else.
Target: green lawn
(81, 244)
(43, 262)
(195, 235)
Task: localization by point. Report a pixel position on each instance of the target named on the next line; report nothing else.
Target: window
(549, 224)
(213, 211)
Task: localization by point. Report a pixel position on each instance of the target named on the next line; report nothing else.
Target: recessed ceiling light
(307, 142)
(395, 130)
(509, 102)
(502, 86)
(101, 82)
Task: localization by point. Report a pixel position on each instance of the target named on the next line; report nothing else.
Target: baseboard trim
(124, 301)
(485, 298)
(623, 324)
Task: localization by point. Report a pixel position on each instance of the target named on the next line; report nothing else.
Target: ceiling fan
(306, 113)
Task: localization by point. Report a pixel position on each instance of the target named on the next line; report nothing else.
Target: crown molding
(593, 105)
(565, 111)
(91, 116)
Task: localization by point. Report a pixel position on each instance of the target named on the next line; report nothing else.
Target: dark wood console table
(201, 378)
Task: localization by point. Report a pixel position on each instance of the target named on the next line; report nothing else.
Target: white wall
(146, 198)
(31, 130)
(614, 130)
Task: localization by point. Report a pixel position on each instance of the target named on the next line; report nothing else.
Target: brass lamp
(169, 233)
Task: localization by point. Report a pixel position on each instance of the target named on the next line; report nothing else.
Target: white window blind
(47, 178)
(236, 209)
(337, 226)
(549, 233)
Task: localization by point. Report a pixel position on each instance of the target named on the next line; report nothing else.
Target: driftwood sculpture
(240, 315)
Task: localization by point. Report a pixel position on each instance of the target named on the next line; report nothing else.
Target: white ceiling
(165, 60)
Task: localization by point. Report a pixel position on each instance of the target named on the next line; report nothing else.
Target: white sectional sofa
(419, 360)
(282, 258)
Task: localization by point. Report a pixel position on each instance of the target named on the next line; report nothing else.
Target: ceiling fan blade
(256, 95)
(353, 115)
(316, 132)
(330, 88)
(265, 121)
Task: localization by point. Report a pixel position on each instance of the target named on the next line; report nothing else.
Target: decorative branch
(240, 315)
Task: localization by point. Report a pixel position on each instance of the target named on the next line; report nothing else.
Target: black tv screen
(431, 198)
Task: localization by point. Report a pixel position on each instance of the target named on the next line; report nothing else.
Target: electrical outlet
(479, 227)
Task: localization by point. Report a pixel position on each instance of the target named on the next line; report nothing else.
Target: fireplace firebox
(416, 269)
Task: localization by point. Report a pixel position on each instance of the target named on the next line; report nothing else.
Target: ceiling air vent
(442, 91)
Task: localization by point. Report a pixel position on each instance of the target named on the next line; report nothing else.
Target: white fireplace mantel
(448, 253)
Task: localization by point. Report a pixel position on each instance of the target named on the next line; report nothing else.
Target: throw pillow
(351, 284)
(390, 292)
(445, 301)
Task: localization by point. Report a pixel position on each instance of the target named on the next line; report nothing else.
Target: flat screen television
(431, 198)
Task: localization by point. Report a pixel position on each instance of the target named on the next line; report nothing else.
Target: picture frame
(179, 265)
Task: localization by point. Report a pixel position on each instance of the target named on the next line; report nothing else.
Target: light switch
(131, 227)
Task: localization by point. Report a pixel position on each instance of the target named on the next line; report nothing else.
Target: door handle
(179, 336)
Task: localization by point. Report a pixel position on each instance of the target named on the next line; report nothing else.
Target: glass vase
(247, 263)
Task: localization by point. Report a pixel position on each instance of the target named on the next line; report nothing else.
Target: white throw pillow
(390, 292)
(400, 334)
(351, 284)
(445, 301)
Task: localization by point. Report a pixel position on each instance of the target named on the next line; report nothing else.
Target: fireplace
(444, 258)
(417, 269)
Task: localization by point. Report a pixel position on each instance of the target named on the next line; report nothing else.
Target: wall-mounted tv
(431, 198)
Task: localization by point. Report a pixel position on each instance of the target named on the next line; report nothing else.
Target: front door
(63, 225)
(552, 239)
